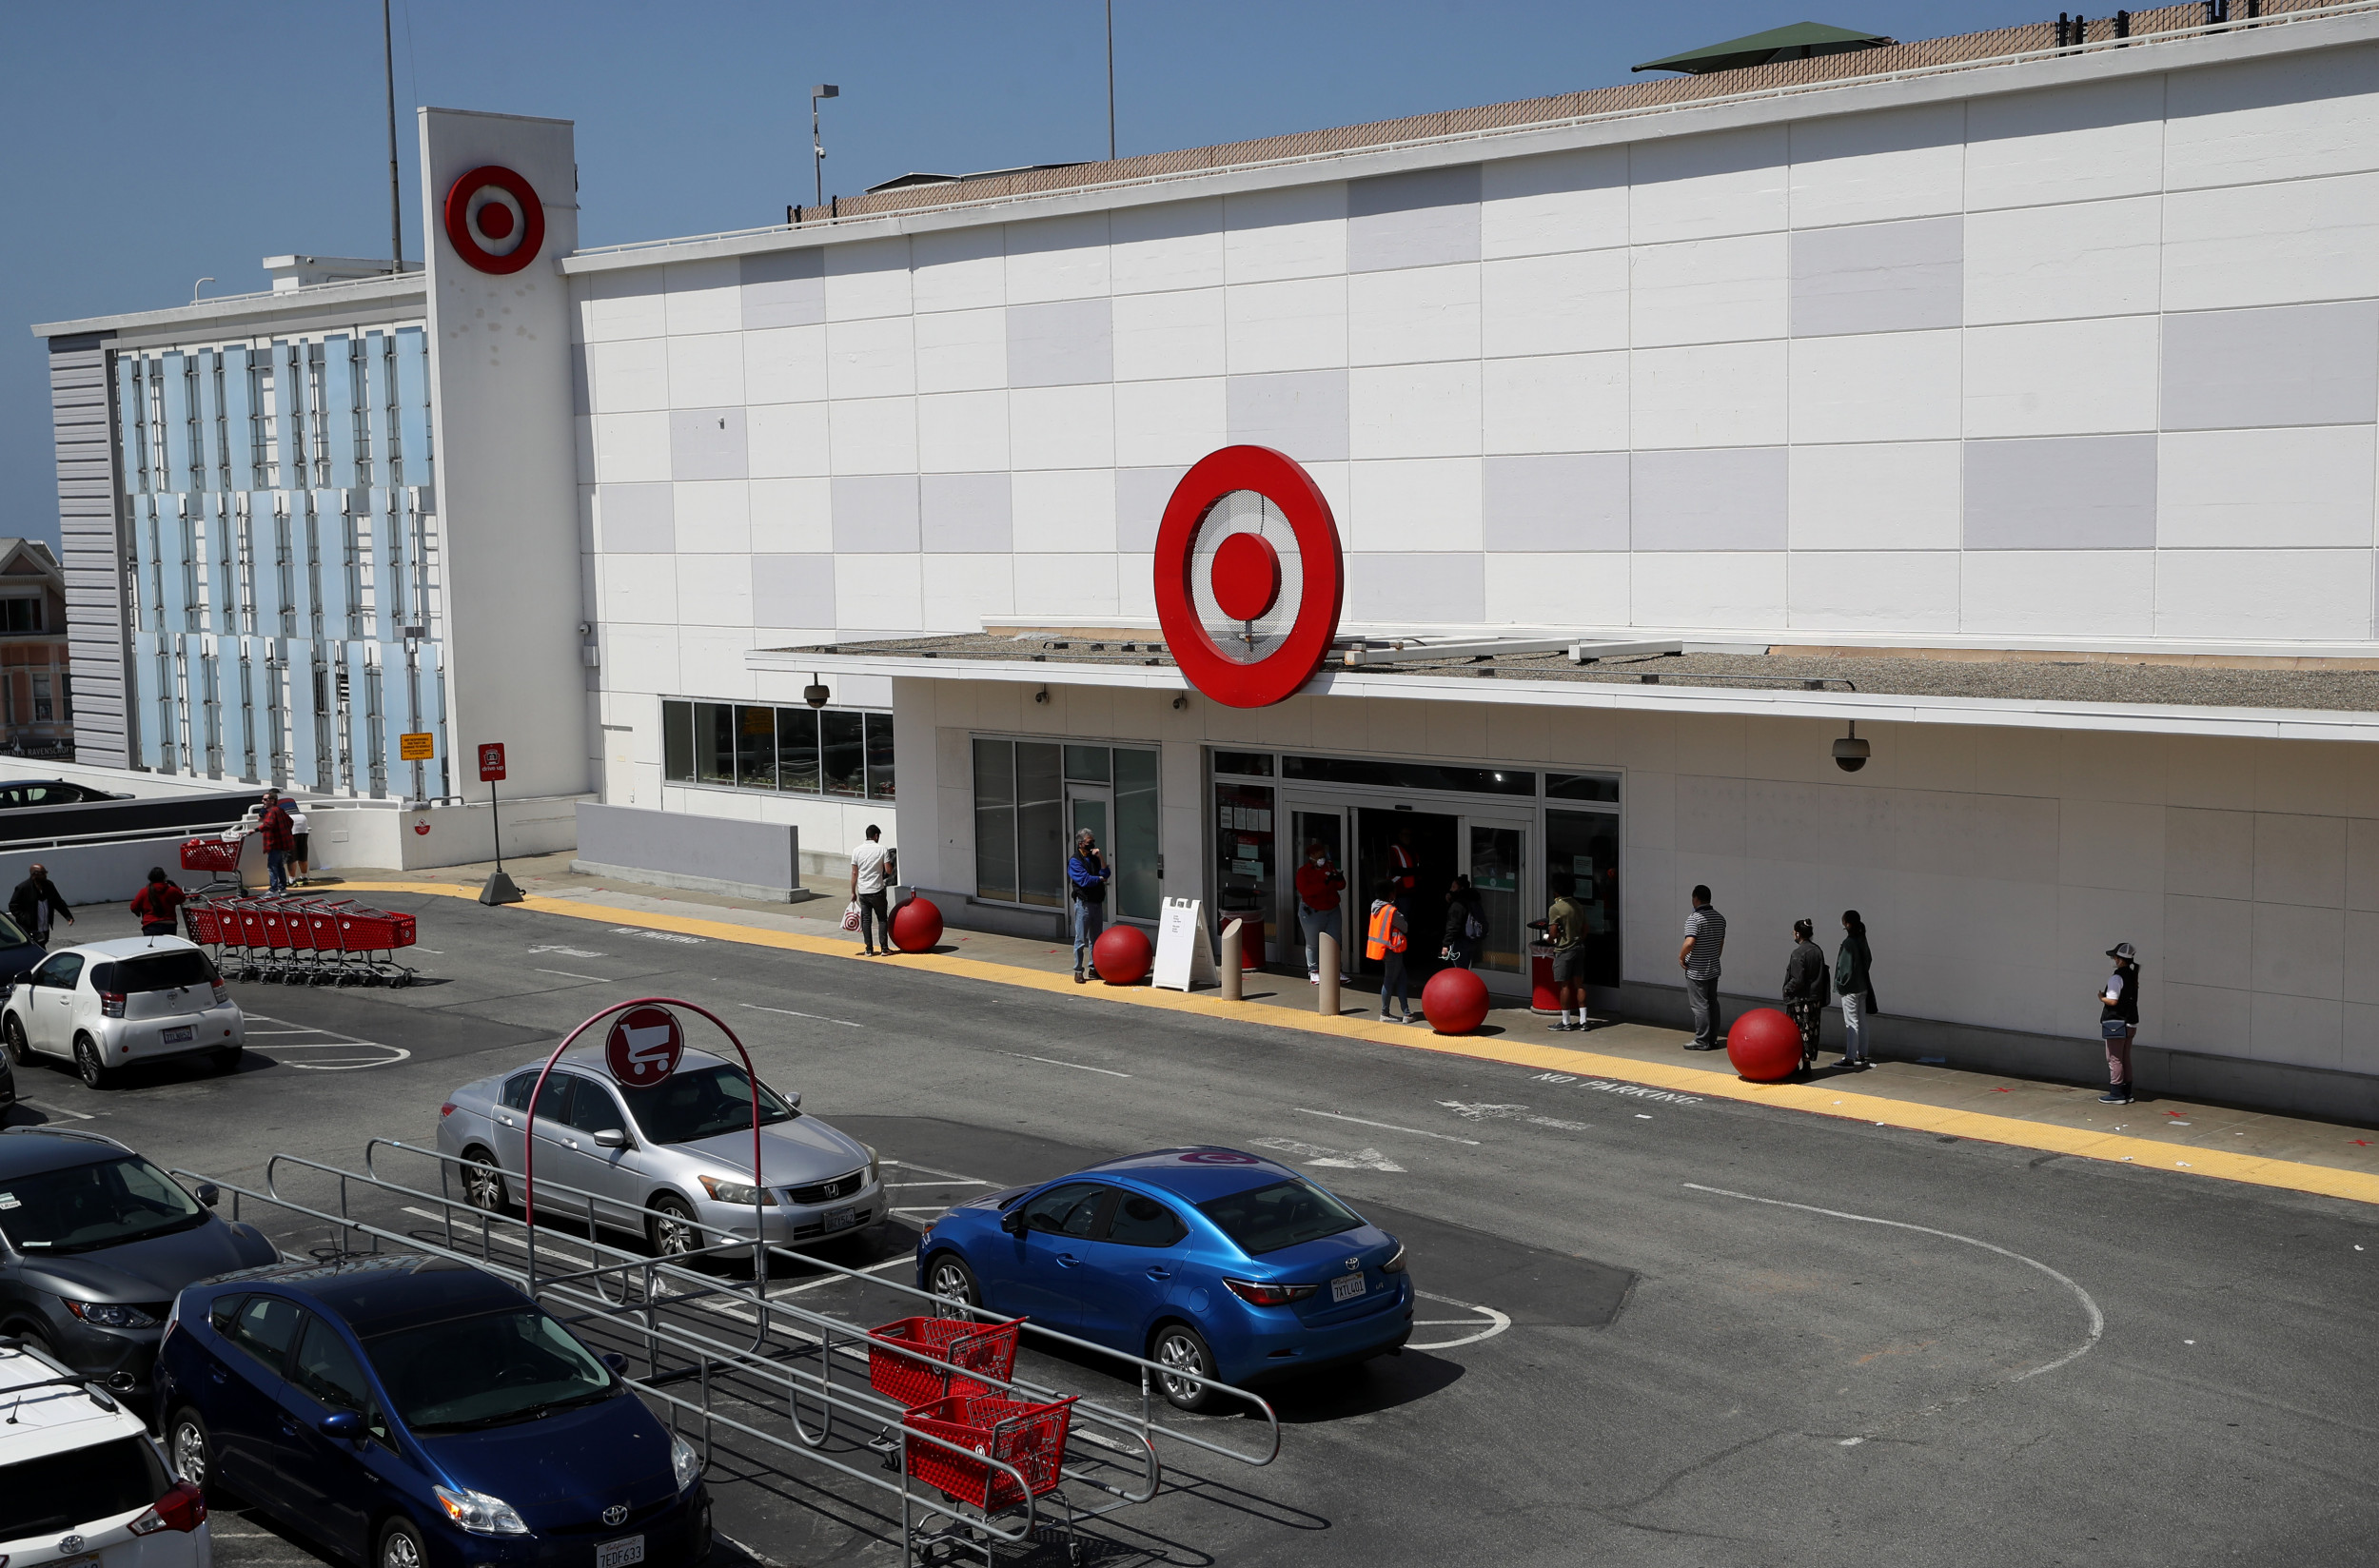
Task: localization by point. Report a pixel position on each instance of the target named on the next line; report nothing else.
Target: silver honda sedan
(662, 1161)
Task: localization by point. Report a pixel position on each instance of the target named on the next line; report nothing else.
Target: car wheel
(672, 1229)
(87, 1066)
(400, 1546)
(20, 1050)
(483, 1183)
(191, 1449)
(1182, 1347)
(948, 1276)
(227, 1059)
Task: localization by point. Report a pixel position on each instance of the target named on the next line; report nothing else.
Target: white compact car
(107, 1005)
(82, 1484)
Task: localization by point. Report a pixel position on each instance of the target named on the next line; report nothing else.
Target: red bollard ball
(1122, 955)
(1454, 1001)
(1764, 1045)
(916, 926)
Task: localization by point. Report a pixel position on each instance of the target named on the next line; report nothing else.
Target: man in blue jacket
(1088, 873)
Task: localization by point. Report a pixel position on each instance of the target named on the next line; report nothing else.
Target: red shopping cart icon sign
(644, 1047)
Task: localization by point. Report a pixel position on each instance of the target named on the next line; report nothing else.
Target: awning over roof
(1802, 40)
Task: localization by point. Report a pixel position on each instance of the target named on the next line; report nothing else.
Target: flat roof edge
(263, 306)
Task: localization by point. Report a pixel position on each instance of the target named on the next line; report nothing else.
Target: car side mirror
(209, 1194)
(793, 1099)
(1013, 1221)
(611, 1137)
(615, 1360)
(343, 1424)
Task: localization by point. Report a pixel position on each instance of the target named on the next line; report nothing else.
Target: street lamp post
(818, 148)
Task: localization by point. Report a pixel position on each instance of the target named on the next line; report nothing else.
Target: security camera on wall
(1850, 752)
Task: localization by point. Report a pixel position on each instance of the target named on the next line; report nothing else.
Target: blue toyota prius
(1223, 1265)
(419, 1413)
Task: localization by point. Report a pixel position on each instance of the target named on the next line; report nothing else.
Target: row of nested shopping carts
(298, 939)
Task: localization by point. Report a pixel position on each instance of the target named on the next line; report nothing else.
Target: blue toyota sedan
(419, 1413)
(1223, 1265)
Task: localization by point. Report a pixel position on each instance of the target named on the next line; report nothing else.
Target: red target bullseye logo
(489, 207)
(1248, 576)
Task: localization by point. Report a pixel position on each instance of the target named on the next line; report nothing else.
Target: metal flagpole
(396, 195)
(1110, 79)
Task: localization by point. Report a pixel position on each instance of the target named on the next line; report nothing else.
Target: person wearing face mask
(1320, 886)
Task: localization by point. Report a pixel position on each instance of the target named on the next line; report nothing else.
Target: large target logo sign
(1248, 576)
(494, 219)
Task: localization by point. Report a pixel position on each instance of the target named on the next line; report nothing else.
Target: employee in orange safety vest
(1384, 938)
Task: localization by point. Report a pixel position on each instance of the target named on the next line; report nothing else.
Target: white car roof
(54, 1420)
(129, 947)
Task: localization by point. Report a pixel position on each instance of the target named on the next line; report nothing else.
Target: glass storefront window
(1253, 764)
(1496, 859)
(843, 751)
(1243, 862)
(1040, 826)
(1087, 764)
(1138, 893)
(996, 819)
(676, 742)
(1387, 774)
(713, 743)
(1583, 847)
(880, 757)
(1582, 787)
(796, 749)
(756, 748)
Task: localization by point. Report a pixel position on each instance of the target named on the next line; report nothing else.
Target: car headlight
(734, 1192)
(875, 1164)
(685, 1460)
(479, 1513)
(109, 1314)
(1395, 1264)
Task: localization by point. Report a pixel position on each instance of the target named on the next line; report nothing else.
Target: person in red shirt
(279, 837)
(1404, 865)
(1320, 887)
(157, 903)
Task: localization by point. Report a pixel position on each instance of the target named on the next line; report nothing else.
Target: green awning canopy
(1802, 40)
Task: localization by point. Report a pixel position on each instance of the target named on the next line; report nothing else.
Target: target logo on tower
(494, 220)
(1248, 576)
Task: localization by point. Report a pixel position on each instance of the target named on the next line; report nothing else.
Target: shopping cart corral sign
(645, 1047)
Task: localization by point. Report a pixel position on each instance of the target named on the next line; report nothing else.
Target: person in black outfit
(35, 900)
(1459, 949)
(1805, 988)
(2118, 1021)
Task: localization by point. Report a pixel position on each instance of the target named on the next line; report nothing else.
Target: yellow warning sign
(416, 748)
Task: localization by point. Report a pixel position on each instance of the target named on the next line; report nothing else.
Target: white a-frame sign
(1184, 959)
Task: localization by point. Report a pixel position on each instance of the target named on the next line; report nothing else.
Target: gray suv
(680, 1150)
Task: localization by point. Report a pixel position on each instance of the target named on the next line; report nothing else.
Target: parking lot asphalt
(1660, 1331)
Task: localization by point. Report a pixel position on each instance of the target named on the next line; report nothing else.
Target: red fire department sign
(645, 1047)
(1248, 576)
(491, 762)
(494, 219)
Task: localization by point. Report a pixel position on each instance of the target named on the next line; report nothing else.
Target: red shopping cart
(370, 940)
(912, 1380)
(1031, 1437)
(218, 855)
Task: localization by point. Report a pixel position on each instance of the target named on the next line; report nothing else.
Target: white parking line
(1053, 1060)
(790, 1013)
(567, 975)
(1495, 1322)
(1386, 1126)
(960, 1180)
(55, 1110)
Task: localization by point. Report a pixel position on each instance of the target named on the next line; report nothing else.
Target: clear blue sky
(148, 145)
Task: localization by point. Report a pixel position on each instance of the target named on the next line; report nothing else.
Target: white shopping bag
(851, 917)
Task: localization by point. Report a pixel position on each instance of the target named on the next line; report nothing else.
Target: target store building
(1936, 478)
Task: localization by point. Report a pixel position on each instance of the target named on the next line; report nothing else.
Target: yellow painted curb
(1815, 1099)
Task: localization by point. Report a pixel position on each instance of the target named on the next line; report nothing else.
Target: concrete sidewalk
(1938, 1096)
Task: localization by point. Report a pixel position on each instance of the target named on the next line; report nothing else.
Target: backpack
(1473, 927)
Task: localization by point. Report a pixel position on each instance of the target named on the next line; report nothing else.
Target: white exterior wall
(2094, 360)
(1993, 865)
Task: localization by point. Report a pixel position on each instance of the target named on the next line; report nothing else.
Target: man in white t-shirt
(870, 880)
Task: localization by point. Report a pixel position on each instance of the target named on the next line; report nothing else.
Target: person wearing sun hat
(2118, 1021)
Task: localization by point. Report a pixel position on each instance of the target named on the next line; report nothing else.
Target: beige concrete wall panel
(2358, 1052)
(2211, 771)
(1854, 830)
(2097, 765)
(2299, 951)
(1287, 726)
(1647, 739)
(2211, 854)
(1454, 728)
(2208, 1018)
(2300, 861)
(2309, 776)
(1933, 756)
(1711, 745)
(1710, 816)
(2013, 761)
(2109, 844)
(2306, 1030)
(2210, 940)
(2362, 864)
(1515, 730)
(1651, 817)
(1342, 723)
(1781, 820)
(2360, 980)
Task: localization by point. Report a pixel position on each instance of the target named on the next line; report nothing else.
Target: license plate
(619, 1553)
(1347, 1287)
(838, 1219)
(181, 1037)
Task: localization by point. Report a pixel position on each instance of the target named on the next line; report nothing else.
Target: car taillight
(1268, 1295)
(111, 1004)
(446, 1111)
(182, 1509)
(223, 992)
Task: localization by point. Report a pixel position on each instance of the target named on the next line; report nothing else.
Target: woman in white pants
(1853, 979)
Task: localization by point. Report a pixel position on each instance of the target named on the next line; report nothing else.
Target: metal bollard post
(1231, 939)
(1330, 975)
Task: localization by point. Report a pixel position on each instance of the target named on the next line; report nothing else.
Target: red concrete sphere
(1454, 1001)
(1122, 955)
(916, 926)
(1764, 1045)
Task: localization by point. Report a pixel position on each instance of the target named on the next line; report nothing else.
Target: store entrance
(1434, 840)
